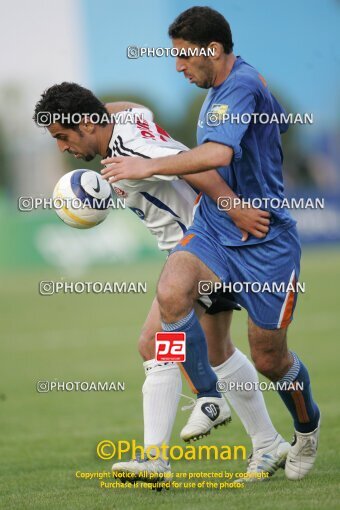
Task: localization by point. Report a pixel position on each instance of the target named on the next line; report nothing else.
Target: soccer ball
(82, 198)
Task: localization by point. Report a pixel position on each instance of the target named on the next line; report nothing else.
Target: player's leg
(161, 393)
(233, 370)
(177, 293)
(162, 386)
(273, 359)
(217, 331)
(232, 366)
(275, 265)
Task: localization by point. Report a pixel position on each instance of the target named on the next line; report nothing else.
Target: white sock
(161, 393)
(249, 405)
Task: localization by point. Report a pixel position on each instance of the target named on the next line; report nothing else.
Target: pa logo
(170, 346)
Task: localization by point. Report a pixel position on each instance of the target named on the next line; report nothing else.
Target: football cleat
(302, 454)
(208, 413)
(154, 471)
(264, 462)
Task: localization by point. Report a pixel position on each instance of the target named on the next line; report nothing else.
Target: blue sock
(300, 401)
(196, 367)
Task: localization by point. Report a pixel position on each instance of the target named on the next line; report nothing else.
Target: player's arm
(248, 220)
(200, 159)
(210, 183)
(221, 144)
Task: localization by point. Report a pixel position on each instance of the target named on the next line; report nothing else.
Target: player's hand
(250, 221)
(126, 168)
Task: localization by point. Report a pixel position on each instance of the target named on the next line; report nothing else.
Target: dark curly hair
(68, 98)
(202, 25)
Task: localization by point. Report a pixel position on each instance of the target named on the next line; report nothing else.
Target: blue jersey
(256, 168)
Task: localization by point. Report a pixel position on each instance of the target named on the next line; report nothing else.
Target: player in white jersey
(165, 204)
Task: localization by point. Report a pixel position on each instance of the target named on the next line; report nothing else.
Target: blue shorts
(263, 275)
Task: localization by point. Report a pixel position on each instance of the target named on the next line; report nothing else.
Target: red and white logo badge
(170, 346)
(120, 192)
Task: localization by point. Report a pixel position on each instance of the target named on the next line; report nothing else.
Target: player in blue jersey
(248, 156)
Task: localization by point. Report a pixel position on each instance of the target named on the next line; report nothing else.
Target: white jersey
(164, 203)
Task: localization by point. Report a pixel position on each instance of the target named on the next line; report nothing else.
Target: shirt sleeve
(228, 120)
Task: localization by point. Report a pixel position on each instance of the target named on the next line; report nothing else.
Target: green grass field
(46, 438)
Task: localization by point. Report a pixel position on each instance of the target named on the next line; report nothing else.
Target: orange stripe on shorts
(197, 199)
(186, 240)
(289, 307)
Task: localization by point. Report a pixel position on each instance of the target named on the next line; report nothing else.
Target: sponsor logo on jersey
(139, 212)
(219, 110)
(148, 131)
(120, 192)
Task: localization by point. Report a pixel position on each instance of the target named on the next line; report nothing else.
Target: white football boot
(208, 413)
(302, 454)
(264, 462)
(146, 470)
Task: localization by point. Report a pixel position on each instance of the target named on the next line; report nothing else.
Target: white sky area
(42, 44)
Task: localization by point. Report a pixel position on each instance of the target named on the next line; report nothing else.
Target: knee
(270, 364)
(174, 300)
(166, 293)
(269, 351)
(265, 364)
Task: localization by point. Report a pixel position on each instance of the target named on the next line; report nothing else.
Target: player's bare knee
(266, 364)
(174, 303)
(272, 363)
(175, 293)
(269, 351)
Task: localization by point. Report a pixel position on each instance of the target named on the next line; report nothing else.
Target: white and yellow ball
(82, 198)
